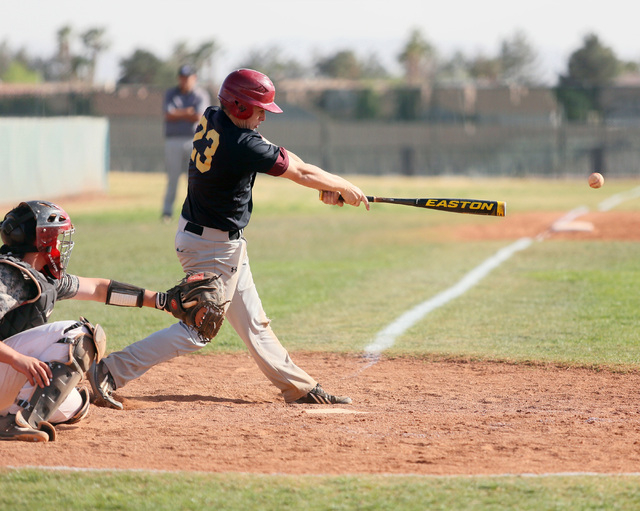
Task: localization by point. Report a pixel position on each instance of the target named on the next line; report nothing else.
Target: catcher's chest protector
(34, 313)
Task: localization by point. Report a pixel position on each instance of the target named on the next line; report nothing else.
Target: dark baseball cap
(186, 70)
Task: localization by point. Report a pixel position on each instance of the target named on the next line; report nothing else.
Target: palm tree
(418, 58)
(94, 43)
(64, 71)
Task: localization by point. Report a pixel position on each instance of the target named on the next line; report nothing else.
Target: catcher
(42, 364)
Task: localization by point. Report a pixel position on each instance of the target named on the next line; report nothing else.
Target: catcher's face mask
(40, 226)
(58, 256)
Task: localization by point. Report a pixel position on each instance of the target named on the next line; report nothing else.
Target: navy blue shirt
(174, 98)
(224, 163)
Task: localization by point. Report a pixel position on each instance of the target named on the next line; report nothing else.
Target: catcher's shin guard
(84, 348)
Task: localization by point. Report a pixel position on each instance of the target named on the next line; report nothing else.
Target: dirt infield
(610, 225)
(217, 413)
(410, 416)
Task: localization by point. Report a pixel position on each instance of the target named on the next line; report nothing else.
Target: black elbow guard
(124, 295)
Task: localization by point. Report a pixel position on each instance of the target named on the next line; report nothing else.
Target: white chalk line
(386, 338)
(619, 198)
(425, 476)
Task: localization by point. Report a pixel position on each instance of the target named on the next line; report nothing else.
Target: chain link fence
(418, 149)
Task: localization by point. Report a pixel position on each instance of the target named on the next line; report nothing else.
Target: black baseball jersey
(224, 163)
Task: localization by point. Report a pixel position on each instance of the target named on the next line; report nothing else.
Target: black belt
(198, 229)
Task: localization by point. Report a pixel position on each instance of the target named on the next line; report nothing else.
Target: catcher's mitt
(198, 301)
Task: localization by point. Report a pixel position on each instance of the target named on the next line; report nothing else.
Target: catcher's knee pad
(85, 346)
(97, 338)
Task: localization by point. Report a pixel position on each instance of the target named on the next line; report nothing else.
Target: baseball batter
(228, 152)
(41, 364)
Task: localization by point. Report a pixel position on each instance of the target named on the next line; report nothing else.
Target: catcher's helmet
(39, 226)
(244, 89)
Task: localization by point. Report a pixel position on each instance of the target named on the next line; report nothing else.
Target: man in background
(183, 107)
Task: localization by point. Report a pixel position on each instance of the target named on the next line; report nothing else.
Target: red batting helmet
(244, 89)
(39, 226)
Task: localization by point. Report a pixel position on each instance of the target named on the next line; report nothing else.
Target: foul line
(614, 200)
(530, 475)
(386, 338)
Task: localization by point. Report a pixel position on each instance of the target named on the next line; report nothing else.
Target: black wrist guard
(124, 295)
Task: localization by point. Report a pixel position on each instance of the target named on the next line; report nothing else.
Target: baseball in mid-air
(596, 180)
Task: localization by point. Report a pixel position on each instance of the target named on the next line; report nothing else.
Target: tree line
(590, 68)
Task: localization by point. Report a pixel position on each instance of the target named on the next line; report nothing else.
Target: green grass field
(330, 279)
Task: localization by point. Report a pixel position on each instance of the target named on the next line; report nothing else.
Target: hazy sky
(302, 28)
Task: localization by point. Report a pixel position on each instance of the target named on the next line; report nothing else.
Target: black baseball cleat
(318, 396)
(103, 386)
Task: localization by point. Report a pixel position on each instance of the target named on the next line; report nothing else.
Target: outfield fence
(50, 157)
(417, 148)
(58, 156)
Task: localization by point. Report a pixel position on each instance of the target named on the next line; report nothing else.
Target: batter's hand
(354, 196)
(331, 198)
(337, 198)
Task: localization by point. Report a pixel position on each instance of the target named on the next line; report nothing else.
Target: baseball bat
(466, 206)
